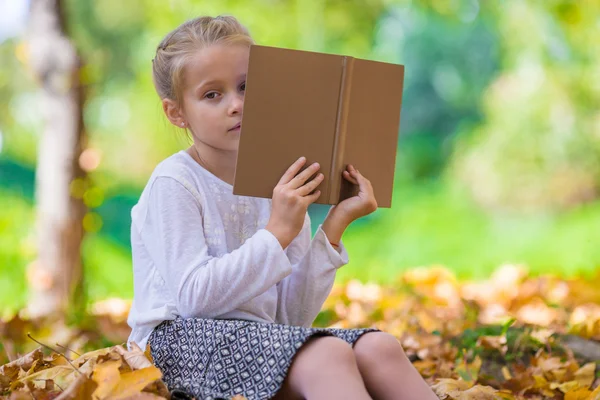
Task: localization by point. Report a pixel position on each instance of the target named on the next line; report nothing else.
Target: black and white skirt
(218, 359)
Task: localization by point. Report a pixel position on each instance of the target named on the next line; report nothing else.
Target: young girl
(226, 287)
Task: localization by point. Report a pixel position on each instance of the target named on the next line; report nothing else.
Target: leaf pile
(510, 337)
(109, 373)
(513, 336)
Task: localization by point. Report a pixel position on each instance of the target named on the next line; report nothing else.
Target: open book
(334, 110)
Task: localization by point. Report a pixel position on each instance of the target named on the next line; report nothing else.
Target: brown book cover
(335, 110)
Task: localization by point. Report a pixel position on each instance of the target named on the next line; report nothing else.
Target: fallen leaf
(81, 388)
(62, 375)
(450, 388)
(585, 375)
(24, 362)
(578, 394)
(107, 376)
(136, 359)
(478, 392)
(134, 382)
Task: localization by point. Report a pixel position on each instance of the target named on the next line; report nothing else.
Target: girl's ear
(173, 112)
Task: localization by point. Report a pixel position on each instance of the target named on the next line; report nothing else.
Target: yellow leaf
(136, 358)
(493, 342)
(62, 375)
(92, 355)
(585, 375)
(578, 394)
(452, 388)
(134, 382)
(565, 387)
(82, 388)
(595, 395)
(559, 374)
(478, 392)
(107, 376)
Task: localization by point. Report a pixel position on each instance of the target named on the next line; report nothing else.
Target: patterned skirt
(218, 359)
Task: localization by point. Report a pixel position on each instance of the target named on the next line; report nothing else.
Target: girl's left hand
(364, 203)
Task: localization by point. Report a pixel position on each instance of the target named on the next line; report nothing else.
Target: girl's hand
(364, 203)
(341, 215)
(291, 198)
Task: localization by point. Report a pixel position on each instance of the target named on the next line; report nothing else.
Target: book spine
(337, 158)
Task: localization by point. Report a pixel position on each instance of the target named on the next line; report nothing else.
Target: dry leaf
(134, 382)
(478, 392)
(136, 358)
(82, 388)
(24, 362)
(578, 394)
(146, 396)
(107, 376)
(450, 388)
(585, 375)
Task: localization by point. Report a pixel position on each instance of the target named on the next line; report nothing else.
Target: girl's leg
(386, 371)
(324, 368)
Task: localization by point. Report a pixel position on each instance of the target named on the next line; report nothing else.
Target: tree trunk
(57, 273)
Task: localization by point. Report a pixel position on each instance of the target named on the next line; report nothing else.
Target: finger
(311, 198)
(349, 178)
(310, 186)
(303, 176)
(292, 171)
(363, 183)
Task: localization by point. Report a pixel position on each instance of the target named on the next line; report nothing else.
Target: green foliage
(17, 249)
(539, 146)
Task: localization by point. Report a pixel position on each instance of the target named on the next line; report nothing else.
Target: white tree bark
(55, 63)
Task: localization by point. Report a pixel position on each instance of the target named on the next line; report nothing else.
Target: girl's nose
(237, 104)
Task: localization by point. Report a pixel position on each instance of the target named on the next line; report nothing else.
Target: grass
(429, 224)
(435, 225)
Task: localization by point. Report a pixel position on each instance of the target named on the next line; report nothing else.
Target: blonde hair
(183, 42)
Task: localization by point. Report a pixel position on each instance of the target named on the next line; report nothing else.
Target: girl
(226, 287)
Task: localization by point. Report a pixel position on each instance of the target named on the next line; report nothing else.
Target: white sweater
(200, 251)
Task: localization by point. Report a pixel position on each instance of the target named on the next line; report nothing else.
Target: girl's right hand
(291, 198)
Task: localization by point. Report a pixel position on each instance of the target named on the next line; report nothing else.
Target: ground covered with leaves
(513, 336)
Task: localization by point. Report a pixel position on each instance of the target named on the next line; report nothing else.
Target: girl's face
(213, 95)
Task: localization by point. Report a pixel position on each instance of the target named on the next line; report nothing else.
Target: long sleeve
(203, 285)
(314, 264)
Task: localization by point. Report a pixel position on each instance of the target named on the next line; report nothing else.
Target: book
(332, 109)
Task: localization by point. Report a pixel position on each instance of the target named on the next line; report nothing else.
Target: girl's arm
(203, 285)
(302, 294)
(314, 265)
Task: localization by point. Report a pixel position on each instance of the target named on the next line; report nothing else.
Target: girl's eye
(243, 86)
(210, 95)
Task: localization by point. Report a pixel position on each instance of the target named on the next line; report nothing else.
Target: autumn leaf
(107, 376)
(24, 362)
(134, 382)
(585, 375)
(478, 392)
(82, 388)
(136, 358)
(450, 388)
(578, 394)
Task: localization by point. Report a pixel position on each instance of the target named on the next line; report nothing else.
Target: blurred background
(498, 159)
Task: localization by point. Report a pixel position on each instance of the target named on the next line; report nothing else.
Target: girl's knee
(326, 350)
(319, 354)
(378, 347)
